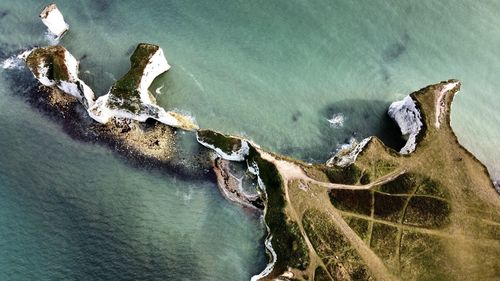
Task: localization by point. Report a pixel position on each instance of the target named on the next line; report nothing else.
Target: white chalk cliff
(348, 153)
(129, 97)
(408, 118)
(54, 20)
(54, 66)
(236, 155)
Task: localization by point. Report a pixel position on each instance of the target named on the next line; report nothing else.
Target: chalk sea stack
(54, 20)
(129, 97)
(54, 66)
(427, 212)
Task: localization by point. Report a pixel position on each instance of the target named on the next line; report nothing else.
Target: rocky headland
(427, 212)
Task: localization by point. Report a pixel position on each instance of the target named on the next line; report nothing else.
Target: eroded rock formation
(54, 20)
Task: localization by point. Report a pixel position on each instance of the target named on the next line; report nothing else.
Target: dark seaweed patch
(103, 5)
(394, 51)
(385, 74)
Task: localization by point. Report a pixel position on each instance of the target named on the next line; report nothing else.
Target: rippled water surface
(274, 71)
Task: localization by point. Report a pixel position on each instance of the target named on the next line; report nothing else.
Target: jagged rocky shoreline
(295, 196)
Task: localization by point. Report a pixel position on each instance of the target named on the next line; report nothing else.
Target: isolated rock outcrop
(54, 20)
(54, 66)
(129, 98)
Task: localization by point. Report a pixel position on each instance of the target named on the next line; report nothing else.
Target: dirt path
(290, 171)
(373, 262)
(313, 255)
(293, 171)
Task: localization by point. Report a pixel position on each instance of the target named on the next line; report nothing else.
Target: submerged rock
(54, 20)
(129, 98)
(54, 66)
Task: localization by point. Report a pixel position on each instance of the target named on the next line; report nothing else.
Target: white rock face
(54, 20)
(238, 155)
(73, 85)
(496, 183)
(270, 266)
(102, 113)
(157, 65)
(440, 106)
(103, 110)
(348, 153)
(408, 118)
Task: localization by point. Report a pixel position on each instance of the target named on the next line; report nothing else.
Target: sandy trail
(291, 171)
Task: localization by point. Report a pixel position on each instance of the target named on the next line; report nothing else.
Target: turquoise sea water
(273, 71)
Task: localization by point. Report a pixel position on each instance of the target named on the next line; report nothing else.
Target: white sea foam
(16, 61)
(337, 120)
(158, 90)
(52, 39)
(198, 84)
(12, 63)
(187, 196)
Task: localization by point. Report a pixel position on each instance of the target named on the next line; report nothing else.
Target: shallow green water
(273, 71)
(73, 211)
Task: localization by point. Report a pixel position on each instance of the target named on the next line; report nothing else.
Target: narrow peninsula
(427, 212)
